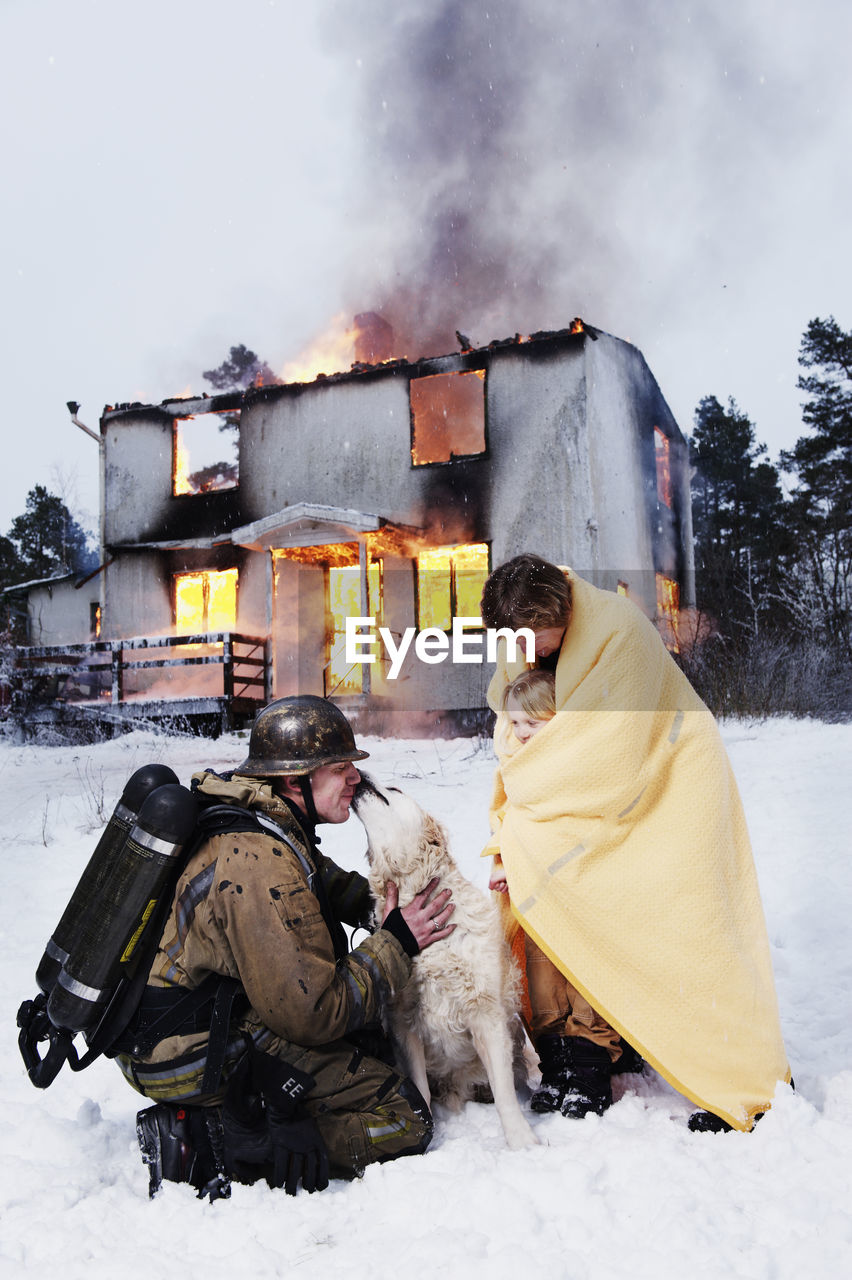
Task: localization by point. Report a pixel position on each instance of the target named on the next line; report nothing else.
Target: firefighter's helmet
(297, 735)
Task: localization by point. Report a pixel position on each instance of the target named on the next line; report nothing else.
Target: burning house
(259, 521)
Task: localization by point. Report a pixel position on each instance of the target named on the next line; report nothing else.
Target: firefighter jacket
(264, 907)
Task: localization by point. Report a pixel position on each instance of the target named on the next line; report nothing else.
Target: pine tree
(46, 540)
(243, 368)
(821, 508)
(740, 534)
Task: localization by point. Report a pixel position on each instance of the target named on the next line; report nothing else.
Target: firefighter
(275, 1065)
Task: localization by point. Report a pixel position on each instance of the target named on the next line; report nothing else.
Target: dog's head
(402, 840)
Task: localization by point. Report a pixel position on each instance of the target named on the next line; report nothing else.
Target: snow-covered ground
(631, 1195)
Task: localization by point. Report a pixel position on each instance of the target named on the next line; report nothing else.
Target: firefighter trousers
(365, 1110)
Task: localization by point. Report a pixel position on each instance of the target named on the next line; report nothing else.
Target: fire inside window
(662, 454)
(447, 416)
(95, 620)
(206, 601)
(344, 601)
(449, 584)
(668, 611)
(205, 455)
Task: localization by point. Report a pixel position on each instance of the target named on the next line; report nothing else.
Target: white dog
(453, 1021)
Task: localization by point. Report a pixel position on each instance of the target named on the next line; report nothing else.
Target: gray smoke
(528, 162)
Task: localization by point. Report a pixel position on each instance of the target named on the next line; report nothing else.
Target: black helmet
(297, 735)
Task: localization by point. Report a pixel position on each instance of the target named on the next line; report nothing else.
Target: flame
(181, 464)
(450, 582)
(344, 601)
(336, 555)
(577, 325)
(668, 611)
(206, 601)
(332, 352)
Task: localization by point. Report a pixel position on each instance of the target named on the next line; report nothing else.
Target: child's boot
(575, 1077)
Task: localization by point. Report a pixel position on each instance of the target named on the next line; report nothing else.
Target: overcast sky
(184, 175)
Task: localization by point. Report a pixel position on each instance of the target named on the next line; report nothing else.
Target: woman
(628, 862)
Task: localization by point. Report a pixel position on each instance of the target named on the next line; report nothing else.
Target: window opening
(449, 584)
(205, 453)
(206, 601)
(662, 455)
(447, 416)
(668, 610)
(343, 600)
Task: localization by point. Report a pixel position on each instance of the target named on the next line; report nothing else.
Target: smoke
(524, 163)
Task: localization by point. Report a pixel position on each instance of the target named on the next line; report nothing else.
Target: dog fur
(455, 1022)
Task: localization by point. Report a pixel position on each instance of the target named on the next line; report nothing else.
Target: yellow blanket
(628, 860)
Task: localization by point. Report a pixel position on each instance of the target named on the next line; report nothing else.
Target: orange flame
(668, 611)
(332, 352)
(181, 483)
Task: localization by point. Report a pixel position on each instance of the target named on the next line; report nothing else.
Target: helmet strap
(308, 798)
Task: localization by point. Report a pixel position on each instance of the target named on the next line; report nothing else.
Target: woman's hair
(535, 694)
(527, 592)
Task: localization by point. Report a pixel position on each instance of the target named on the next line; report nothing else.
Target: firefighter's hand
(427, 917)
(298, 1155)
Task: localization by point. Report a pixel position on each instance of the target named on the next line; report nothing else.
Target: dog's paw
(520, 1138)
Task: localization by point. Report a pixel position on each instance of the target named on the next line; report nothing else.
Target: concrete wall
(137, 596)
(137, 476)
(59, 613)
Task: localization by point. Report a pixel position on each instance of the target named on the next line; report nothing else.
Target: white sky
(182, 176)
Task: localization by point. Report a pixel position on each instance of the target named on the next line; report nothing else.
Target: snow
(633, 1193)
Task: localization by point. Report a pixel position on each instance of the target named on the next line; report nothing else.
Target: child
(556, 1007)
(529, 702)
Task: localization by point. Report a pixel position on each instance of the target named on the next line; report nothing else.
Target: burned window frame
(663, 468)
(480, 371)
(178, 423)
(423, 624)
(667, 612)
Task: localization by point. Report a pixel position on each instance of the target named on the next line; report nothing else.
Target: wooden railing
(112, 669)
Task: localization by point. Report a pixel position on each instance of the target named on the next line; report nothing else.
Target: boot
(629, 1063)
(707, 1122)
(178, 1145)
(575, 1077)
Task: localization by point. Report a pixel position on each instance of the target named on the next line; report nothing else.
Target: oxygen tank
(115, 917)
(68, 931)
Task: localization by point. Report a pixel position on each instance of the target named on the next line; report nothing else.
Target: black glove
(266, 1129)
(298, 1151)
(298, 1155)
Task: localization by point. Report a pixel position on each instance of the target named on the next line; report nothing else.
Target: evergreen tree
(45, 540)
(740, 533)
(822, 462)
(243, 368)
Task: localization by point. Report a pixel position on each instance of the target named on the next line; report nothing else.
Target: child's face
(523, 724)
